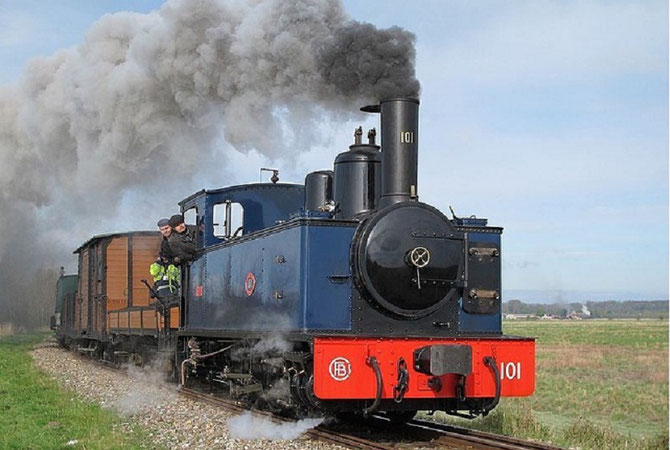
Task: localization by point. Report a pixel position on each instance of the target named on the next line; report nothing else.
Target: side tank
(357, 177)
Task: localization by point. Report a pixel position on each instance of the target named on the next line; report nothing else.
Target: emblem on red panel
(339, 369)
(250, 284)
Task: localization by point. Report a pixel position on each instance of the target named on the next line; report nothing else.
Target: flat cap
(163, 223)
(176, 220)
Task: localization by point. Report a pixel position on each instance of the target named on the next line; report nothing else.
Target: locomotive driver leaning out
(181, 241)
(166, 275)
(166, 230)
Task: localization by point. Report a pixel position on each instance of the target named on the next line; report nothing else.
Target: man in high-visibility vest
(166, 279)
(166, 287)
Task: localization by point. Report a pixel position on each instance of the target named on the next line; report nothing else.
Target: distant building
(583, 314)
(518, 316)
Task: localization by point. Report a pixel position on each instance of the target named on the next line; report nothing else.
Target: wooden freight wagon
(111, 296)
(66, 293)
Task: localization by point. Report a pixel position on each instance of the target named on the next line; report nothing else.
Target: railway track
(458, 437)
(421, 432)
(316, 433)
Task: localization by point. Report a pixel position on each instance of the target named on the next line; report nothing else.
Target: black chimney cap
(378, 108)
(372, 109)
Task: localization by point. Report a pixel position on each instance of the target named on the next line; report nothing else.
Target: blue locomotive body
(274, 280)
(290, 271)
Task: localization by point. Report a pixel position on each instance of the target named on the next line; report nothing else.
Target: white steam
(145, 102)
(149, 390)
(248, 426)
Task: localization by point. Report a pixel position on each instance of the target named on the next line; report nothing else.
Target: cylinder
(400, 144)
(357, 181)
(318, 190)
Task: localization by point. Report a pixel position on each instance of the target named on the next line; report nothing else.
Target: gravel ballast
(172, 421)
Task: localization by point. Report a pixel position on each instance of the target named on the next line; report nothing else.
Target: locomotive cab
(228, 213)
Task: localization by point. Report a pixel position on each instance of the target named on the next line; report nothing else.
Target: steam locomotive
(345, 294)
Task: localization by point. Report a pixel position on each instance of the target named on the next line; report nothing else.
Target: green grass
(638, 334)
(599, 384)
(35, 413)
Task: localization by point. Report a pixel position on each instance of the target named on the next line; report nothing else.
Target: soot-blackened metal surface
(483, 294)
(439, 360)
(483, 276)
(318, 189)
(400, 146)
(357, 181)
(371, 320)
(382, 266)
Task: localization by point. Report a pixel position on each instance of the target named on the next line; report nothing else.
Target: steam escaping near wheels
(249, 426)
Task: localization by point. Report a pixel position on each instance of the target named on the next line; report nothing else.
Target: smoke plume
(131, 115)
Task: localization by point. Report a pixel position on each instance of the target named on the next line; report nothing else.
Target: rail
(431, 433)
(476, 440)
(422, 430)
(317, 433)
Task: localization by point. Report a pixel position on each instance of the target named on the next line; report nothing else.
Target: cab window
(228, 220)
(191, 218)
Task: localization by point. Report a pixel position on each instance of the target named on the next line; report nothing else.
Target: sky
(549, 118)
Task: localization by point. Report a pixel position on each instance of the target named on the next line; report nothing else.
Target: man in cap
(166, 230)
(182, 240)
(165, 274)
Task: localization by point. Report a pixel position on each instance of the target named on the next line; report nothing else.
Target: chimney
(400, 138)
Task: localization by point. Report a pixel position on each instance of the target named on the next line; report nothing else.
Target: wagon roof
(111, 235)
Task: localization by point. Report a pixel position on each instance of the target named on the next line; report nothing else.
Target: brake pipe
(372, 361)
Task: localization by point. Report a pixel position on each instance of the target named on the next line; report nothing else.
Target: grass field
(36, 414)
(599, 384)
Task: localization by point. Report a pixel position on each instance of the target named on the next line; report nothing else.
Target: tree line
(629, 309)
